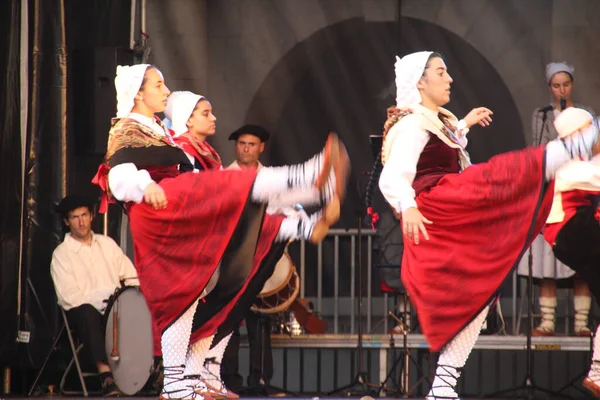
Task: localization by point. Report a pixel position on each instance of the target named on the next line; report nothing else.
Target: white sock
(297, 227)
(294, 184)
(453, 357)
(307, 197)
(548, 309)
(582, 305)
(175, 342)
(212, 365)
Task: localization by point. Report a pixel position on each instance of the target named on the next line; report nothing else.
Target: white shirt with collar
(89, 274)
(235, 165)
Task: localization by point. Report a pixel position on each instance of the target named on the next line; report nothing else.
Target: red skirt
(177, 249)
(483, 220)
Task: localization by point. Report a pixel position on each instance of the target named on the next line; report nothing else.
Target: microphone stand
(360, 385)
(528, 385)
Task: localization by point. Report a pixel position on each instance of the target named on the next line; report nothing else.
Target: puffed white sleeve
(127, 183)
(461, 133)
(400, 168)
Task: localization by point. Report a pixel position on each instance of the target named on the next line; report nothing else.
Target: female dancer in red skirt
(573, 231)
(192, 120)
(465, 227)
(187, 225)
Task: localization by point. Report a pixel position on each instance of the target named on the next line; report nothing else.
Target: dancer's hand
(480, 115)
(155, 196)
(413, 222)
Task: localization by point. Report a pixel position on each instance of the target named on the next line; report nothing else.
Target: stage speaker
(93, 96)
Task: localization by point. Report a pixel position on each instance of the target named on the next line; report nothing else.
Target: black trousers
(578, 246)
(88, 324)
(261, 355)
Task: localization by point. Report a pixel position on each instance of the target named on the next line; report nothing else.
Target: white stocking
(294, 184)
(175, 342)
(214, 357)
(453, 357)
(197, 355)
(297, 227)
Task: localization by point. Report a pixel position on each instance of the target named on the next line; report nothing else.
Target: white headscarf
(409, 70)
(180, 106)
(571, 120)
(128, 82)
(555, 67)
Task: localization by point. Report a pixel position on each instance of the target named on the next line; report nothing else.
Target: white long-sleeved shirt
(398, 174)
(89, 274)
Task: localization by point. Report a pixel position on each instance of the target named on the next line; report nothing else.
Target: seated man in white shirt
(86, 269)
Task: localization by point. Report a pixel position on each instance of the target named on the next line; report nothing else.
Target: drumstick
(114, 354)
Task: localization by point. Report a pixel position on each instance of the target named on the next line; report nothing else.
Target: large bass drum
(129, 346)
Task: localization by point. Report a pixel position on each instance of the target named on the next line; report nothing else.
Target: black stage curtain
(10, 175)
(45, 177)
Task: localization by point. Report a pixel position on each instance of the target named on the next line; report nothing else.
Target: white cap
(128, 82)
(409, 70)
(555, 67)
(571, 120)
(180, 106)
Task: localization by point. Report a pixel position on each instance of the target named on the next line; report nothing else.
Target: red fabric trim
(101, 180)
(374, 217)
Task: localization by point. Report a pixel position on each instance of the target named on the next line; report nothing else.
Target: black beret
(255, 130)
(74, 201)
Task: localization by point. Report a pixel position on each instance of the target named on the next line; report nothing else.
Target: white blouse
(398, 174)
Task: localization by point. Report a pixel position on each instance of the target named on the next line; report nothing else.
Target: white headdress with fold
(409, 70)
(128, 82)
(556, 67)
(180, 106)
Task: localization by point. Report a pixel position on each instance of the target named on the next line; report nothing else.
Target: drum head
(280, 277)
(132, 370)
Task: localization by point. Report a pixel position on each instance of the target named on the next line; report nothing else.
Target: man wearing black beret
(249, 144)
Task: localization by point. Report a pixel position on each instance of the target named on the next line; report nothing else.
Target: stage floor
(248, 398)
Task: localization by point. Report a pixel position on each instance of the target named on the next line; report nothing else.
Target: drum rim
(286, 304)
(107, 314)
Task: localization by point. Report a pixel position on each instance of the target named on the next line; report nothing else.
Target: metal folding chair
(75, 349)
